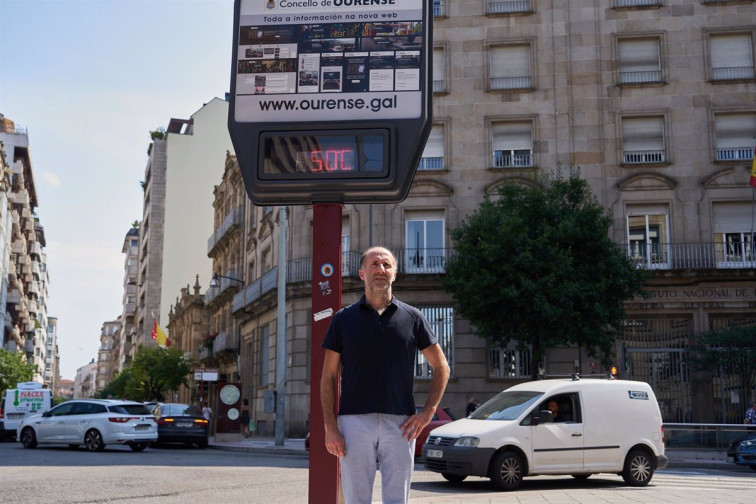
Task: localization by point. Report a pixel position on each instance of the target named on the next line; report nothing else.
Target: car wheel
(638, 468)
(454, 478)
(581, 477)
(93, 440)
(137, 447)
(28, 438)
(507, 471)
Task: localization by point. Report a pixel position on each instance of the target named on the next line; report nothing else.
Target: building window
(639, 61)
(643, 140)
(439, 70)
(510, 67)
(441, 321)
(346, 249)
(734, 136)
(438, 8)
(508, 362)
(512, 144)
(508, 6)
(267, 260)
(433, 155)
(648, 236)
(264, 355)
(425, 252)
(734, 235)
(731, 56)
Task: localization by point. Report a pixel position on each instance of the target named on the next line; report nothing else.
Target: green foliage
(153, 373)
(159, 133)
(13, 369)
(731, 351)
(536, 266)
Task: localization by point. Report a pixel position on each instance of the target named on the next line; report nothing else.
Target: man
(750, 416)
(373, 343)
(553, 406)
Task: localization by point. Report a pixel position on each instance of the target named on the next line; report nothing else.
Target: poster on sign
(350, 59)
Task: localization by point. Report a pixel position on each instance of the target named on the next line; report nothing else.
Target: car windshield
(506, 406)
(130, 409)
(179, 410)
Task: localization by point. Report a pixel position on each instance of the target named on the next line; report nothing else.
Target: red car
(442, 416)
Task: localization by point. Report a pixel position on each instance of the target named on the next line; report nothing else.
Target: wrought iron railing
(735, 154)
(521, 82)
(644, 77)
(644, 157)
(233, 219)
(636, 3)
(512, 161)
(692, 255)
(430, 164)
(732, 73)
(508, 7)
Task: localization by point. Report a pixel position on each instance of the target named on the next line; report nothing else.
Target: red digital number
(333, 160)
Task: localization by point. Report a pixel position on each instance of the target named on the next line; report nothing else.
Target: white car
(93, 423)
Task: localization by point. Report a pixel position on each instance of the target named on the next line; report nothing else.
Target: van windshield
(506, 406)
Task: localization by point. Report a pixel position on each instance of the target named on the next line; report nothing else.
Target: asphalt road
(180, 475)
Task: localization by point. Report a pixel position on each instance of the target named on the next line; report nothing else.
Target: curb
(295, 452)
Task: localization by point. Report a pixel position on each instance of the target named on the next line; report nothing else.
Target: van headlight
(469, 442)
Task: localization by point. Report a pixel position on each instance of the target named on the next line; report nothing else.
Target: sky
(89, 79)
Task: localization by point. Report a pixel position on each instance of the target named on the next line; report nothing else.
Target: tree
(13, 369)
(730, 351)
(156, 371)
(536, 266)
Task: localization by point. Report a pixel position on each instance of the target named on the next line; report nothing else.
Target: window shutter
(510, 61)
(735, 130)
(639, 55)
(643, 133)
(435, 146)
(732, 217)
(730, 51)
(512, 136)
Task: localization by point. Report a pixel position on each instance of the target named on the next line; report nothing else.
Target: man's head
(378, 269)
(553, 407)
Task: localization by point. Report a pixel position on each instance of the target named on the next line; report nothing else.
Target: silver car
(93, 423)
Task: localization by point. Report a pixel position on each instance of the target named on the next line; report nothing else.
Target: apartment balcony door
(648, 239)
(425, 245)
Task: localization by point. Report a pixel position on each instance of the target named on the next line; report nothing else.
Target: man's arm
(437, 360)
(329, 386)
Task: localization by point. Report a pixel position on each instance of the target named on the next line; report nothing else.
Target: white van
(28, 398)
(603, 426)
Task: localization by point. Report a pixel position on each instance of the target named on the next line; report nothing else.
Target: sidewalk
(678, 459)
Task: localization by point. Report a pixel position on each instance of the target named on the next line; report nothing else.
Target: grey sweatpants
(371, 437)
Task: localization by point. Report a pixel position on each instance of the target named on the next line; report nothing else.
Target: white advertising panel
(323, 60)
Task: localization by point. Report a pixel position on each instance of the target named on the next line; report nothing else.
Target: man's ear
(361, 273)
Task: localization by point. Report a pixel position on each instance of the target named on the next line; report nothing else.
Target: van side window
(565, 407)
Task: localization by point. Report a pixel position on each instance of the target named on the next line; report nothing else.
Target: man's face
(379, 270)
(553, 407)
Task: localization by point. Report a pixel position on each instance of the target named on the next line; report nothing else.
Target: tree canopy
(536, 266)
(14, 369)
(152, 374)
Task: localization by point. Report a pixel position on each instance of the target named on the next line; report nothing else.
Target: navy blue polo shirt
(378, 356)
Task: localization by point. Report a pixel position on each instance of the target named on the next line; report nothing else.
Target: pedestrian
(750, 415)
(207, 412)
(245, 417)
(471, 406)
(373, 343)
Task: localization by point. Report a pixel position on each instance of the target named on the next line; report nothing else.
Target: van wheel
(638, 468)
(454, 478)
(93, 440)
(507, 471)
(28, 438)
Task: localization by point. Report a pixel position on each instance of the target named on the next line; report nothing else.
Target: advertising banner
(316, 60)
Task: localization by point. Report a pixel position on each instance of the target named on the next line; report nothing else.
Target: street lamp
(216, 283)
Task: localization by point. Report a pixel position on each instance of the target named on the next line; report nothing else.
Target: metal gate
(665, 369)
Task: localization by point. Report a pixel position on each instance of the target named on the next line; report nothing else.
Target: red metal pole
(326, 301)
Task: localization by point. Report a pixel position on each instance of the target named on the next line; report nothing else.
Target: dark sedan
(181, 423)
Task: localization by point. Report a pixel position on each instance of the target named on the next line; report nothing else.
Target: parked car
(742, 450)
(600, 426)
(181, 423)
(441, 417)
(94, 423)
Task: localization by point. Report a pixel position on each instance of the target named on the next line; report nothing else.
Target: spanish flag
(753, 169)
(159, 335)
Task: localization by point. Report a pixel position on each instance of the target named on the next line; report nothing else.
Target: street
(180, 475)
